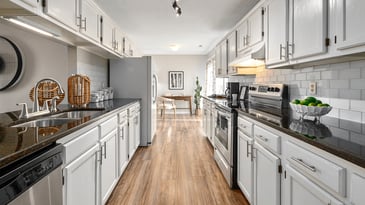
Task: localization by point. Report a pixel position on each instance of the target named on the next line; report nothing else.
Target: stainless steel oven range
(225, 141)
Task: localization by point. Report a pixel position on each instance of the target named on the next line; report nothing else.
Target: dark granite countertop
(19, 142)
(343, 138)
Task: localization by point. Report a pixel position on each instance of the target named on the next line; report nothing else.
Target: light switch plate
(312, 88)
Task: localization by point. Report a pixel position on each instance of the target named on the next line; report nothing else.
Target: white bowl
(310, 110)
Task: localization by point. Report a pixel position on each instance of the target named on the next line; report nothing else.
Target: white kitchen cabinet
(245, 165)
(134, 129)
(118, 40)
(349, 32)
(127, 47)
(108, 33)
(63, 11)
(277, 31)
(109, 173)
(89, 20)
(266, 175)
(211, 127)
(299, 190)
(205, 119)
(250, 31)
(357, 185)
(221, 63)
(307, 28)
(231, 43)
(80, 179)
(123, 142)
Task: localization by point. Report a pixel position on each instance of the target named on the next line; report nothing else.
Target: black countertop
(19, 142)
(343, 138)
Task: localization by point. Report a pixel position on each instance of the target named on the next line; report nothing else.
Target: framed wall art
(176, 80)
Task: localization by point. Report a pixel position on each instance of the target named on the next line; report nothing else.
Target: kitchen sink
(46, 122)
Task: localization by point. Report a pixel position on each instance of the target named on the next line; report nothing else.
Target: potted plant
(197, 97)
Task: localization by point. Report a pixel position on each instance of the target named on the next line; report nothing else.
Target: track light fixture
(176, 8)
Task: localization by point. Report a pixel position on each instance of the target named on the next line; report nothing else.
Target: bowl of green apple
(310, 106)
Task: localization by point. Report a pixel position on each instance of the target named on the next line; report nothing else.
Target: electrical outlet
(312, 88)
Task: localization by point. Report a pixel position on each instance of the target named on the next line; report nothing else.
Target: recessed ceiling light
(174, 47)
(200, 46)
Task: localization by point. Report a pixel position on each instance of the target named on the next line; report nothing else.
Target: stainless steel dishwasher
(34, 180)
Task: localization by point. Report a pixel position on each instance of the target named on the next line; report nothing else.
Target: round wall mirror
(11, 63)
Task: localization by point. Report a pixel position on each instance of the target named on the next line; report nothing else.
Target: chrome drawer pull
(248, 149)
(304, 164)
(262, 138)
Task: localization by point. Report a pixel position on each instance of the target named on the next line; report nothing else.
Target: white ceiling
(153, 26)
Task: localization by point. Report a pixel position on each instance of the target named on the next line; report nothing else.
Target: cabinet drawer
(122, 116)
(108, 126)
(80, 145)
(326, 172)
(245, 126)
(134, 109)
(268, 139)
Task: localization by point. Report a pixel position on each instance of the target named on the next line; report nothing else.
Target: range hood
(251, 58)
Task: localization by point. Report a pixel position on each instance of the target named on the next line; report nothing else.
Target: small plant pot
(198, 112)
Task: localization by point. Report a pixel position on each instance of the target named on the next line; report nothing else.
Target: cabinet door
(245, 166)
(231, 42)
(218, 61)
(108, 33)
(277, 31)
(212, 126)
(131, 138)
(256, 27)
(299, 190)
(123, 147)
(63, 11)
(266, 176)
(357, 186)
(308, 32)
(109, 173)
(90, 20)
(137, 131)
(224, 57)
(80, 179)
(204, 125)
(349, 14)
(242, 33)
(118, 35)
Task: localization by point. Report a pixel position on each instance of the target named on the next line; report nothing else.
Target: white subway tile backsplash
(350, 115)
(305, 70)
(350, 74)
(304, 84)
(281, 78)
(321, 67)
(350, 94)
(334, 113)
(340, 103)
(340, 133)
(323, 84)
(357, 64)
(301, 76)
(339, 84)
(340, 66)
(314, 76)
(357, 84)
(357, 105)
(348, 125)
(329, 75)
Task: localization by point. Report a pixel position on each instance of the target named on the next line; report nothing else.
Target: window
(214, 85)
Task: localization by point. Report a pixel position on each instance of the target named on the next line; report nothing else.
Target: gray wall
(46, 58)
(342, 85)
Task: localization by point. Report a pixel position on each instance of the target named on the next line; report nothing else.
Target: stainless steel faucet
(36, 109)
(36, 102)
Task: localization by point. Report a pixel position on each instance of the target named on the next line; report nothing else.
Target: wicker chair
(164, 104)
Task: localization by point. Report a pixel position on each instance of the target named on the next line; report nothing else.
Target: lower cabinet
(134, 129)
(123, 147)
(80, 184)
(299, 190)
(245, 166)
(266, 176)
(109, 173)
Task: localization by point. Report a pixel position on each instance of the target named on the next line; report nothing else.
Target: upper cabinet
(349, 32)
(89, 19)
(277, 30)
(294, 35)
(231, 43)
(307, 28)
(63, 11)
(251, 30)
(221, 62)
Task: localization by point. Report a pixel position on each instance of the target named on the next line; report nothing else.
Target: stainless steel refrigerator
(136, 78)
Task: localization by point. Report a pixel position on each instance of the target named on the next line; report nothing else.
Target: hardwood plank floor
(178, 169)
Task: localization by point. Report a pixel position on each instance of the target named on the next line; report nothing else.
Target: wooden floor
(177, 169)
